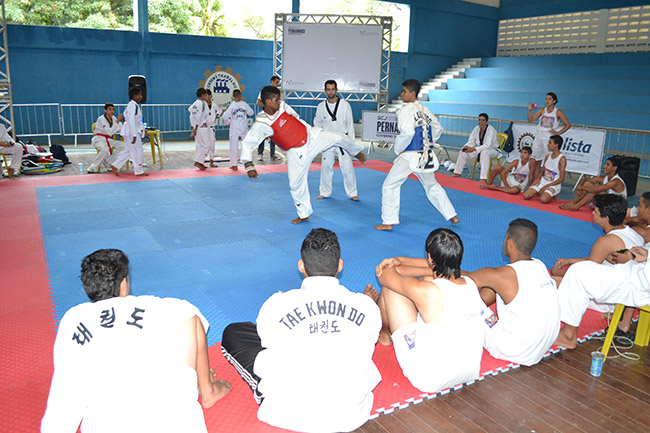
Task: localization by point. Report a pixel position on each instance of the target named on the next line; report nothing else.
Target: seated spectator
(106, 126)
(515, 177)
(549, 181)
(609, 213)
(309, 359)
(129, 363)
(609, 183)
(433, 315)
(9, 147)
(627, 284)
(528, 311)
(482, 144)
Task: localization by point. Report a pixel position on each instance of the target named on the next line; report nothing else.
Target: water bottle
(81, 167)
(534, 106)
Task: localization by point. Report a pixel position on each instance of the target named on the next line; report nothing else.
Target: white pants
(203, 142)
(540, 147)
(213, 131)
(16, 152)
(235, 135)
(132, 151)
(484, 158)
(327, 172)
(585, 281)
(104, 152)
(392, 187)
(299, 159)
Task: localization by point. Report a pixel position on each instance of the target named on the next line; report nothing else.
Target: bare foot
(483, 181)
(233, 167)
(212, 164)
(218, 390)
(371, 292)
(143, 174)
(484, 185)
(568, 206)
(10, 173)
(361, 157)
(355, 198)
(384, 227)
(320, 197)
(200, 166)
(114, 170)
(454, 221)
(568, 337)
(299, 220)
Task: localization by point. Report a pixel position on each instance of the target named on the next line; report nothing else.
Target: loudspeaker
(140, 82)
(629, 172)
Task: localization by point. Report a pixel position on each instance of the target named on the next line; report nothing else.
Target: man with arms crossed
(335, 115)
(528, 312)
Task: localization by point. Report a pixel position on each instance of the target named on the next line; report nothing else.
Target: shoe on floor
(260, 158)
(275, 157)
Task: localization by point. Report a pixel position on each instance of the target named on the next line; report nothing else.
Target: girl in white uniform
(236, 117)
(549, 120)
(132, 133)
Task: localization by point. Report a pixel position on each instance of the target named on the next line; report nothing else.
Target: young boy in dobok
(236, 117)
(301, 141)
(199, 112)
(132, 133)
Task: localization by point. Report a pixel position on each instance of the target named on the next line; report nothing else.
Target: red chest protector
(288, 132)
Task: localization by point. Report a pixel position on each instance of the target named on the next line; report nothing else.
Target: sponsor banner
(379, 126)
(583, 148)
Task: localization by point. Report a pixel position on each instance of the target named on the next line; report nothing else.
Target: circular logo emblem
(221, 83)
(525, 139)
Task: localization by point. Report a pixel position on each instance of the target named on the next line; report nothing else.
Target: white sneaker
(451, 167)
(446, 163)
(260, 158)
(276, 158)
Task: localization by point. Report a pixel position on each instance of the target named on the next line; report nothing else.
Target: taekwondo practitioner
(214, 111)
(433, 316)
(549, 120)
(482, 144)
(126, 363)
(106, 126)
(550, 177)
(132, 132)
(418, 132)
(315, 372)
(275, 82)
(201, 132)
(301, 142)
(528, 311)
(236, 117)
(9, 147)
(335, 115)
(515, 177)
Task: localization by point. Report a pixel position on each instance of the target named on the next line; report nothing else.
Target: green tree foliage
(256, 24)
(207, 18)
(170, 16)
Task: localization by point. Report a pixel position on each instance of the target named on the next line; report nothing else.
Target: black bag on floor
(59, 153)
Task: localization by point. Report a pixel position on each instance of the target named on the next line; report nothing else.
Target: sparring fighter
(335, 115)
(214, 111)
(301, 142)
(549, 120)
(236, 118)
(275, 82)
(549, 180)
(527, 321)
(627, 284)
(132, 132)
(609, 183)
(418, 131)
(309, 358)
(514, 177)
(609, 213)
(482, 144)
(9, 147)
(432, 314)
(106, 126)
(201, 132)
(127, 363)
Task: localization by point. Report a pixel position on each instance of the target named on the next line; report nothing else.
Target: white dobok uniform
(132, 128)
(107, 147)
(213, 112)
(519, 176)
(418, 128)
(547, 121)
(16, 150)
(529, 324)
(236, 117)
(302, 144)
(550, 173)
(199, 112)
(626, 283)
(438, 355)
(119, 366)
(485, 150)
(340, 121)
(316, 371)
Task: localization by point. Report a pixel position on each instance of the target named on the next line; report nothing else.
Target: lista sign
(379, 126)
(583, 148)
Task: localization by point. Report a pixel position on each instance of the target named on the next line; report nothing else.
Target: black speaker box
(140, 82)
(629, 172)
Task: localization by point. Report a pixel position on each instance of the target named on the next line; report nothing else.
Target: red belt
(108, 143)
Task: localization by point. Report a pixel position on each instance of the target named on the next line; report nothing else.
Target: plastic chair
(155, 139)
(6, 166)
(642, 330)
(502, 142)
(99, 169)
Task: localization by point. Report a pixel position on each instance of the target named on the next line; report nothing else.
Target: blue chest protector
(421, 139)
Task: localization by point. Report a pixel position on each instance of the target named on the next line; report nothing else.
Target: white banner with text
(379, 126)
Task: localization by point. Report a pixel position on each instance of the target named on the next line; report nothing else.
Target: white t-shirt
(316, 371)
